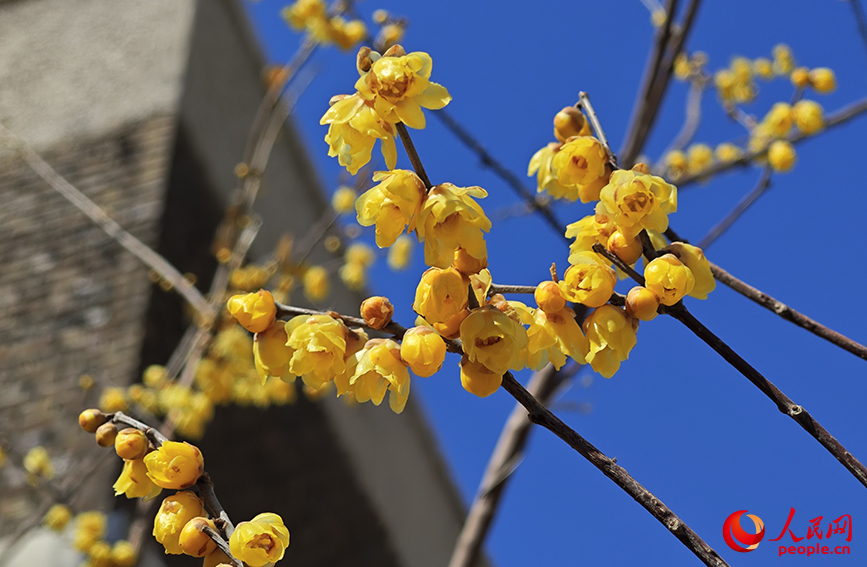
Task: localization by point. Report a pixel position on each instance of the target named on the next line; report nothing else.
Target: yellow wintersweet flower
(319, 344)
(356, 338)
(694, 259)
(727, 152)
(589, 280)
(477, 379)
(400, 253)
(642, 303)
(778, 120)
(123, 554)
(254, 311)
(298, 14)
(134, 482)
(112, 399)
(353, 275)
(346, 34)
(38, 465)
(611, 334)
(260, 541)
(700, 158)
(175, 465)
(763, 68)
(392, 205)
(451, 329)
(173, 515)
(636, 201)
(99, 555)
(377, 311)
(782, 156)
(548, 297)
(451, 219)
(316, 283)
(823, 80)
(441, 294)
(423, 350)
(270, 353)
(581, 165)
(400, 86)
(677, 163)
(588, 231)
(669, 278)
(343, 200)
(553, 337)
(360, 253)
(380, 369)
(89, 529)
(57, 517)
(809, 116)
(784, 60)
(354, 127)
(627, 249)
(492, 338)
(546, 180)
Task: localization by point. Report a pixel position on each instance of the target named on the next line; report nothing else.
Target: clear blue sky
(677, 417)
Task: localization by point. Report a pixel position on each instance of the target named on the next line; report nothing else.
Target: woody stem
(413, 154)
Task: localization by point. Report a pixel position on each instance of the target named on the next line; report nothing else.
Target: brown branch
(506, 457)
(496, 288)
(222, 544)
(835, 119)
(501, 171)
(540, 415)
(624, 267)
(860, 19)
(778, 307)
(763, 184)
(413, 154)
(93, 211)
(783, 403)
(693, 115)
(632, 145)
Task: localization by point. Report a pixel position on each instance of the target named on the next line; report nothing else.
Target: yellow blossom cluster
(576, 166)
(393, 88)
(312, 17)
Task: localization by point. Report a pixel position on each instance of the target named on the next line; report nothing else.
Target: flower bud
(823, 80)
(727, 152)
(809, 116)
(123, 554)
(676, 163)
(254, 311)
(642, 303)
(194, 541)
(423, 350)
(693, 258)
(800, 77)
(89, 529)
(99, 555)
(377, 312)
(365, 58)
(131, 444)
(175, 465)
(316, 284)
(173, 515)
(778, 120)
(570, 122)
(627, 250)
(548, 297)
(106, 434)
(91, 419)
(343, 200)
(57, 517)
(782, 156)
(112, 400)
(668, 278)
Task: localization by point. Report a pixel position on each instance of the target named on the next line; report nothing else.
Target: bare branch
(763, 184)
(413, 154)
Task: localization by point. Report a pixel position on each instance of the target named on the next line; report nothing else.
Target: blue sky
(677, 417)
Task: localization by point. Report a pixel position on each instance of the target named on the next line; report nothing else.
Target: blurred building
(146, 107)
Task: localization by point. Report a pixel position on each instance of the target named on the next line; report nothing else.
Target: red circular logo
(734, 534)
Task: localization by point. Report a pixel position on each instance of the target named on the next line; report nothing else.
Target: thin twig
(504, 461)
(763, 184)
(501, 171)
(783, 403)
(860, 19)
(413, 154)
(624, 267)
(139, 249)
(540, 415)
(693, 115)
(835, 119)
(584, 103)
(222, 544)
(497, 288)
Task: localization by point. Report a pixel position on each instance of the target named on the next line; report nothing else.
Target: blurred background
(147, 109)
